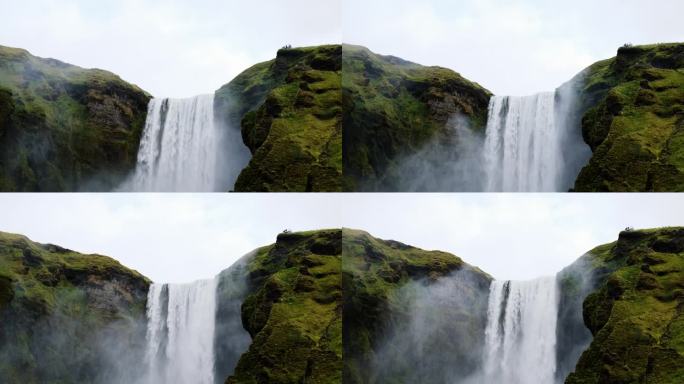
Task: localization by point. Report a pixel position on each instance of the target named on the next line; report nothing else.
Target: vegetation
(636, 313)
(375, 307)
(61, 312)
(65, 128)
(55, 302)
(634, 120)
(392, 108)
(290, 113)
(294, 311)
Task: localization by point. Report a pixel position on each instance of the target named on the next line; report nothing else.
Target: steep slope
(65, 128)
(290, 113)
(393, 108)
(402, 304)
(293, 311)
(66, 317)
(633, 120)
(636, 310)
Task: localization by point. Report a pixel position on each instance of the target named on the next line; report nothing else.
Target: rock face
(293, 311)
(289, 111)
(636, 313)
(66, 317)
(403, 304)
(633, 120)
(392, 108)
(410, 315)
(65, 128)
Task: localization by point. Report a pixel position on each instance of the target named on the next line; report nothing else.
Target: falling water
(522, 149)
(520, 338)
(179, 148)
(180, 333)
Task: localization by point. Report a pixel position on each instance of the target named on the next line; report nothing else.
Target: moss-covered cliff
(65, 128)
(389, 288)
(392, 108)
(636, 312)
(289, 111)
(64, 314)
(293, 311)
(634, 120)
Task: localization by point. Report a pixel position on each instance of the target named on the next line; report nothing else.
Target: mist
(110, 333)
(452, 162)
(575, 153)
(462, 329)
(231, 339)
(71, 344)
(575, 283)
(530, 144)
(436, 334)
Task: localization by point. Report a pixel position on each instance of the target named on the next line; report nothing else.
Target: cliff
(632, 109)
(65, 128)
(63, 314)
(635, 312)
(392, 108)
(395, 312)
(403, 304)
(293, 311)
(290, 114)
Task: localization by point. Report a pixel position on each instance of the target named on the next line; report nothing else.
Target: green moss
(294, 311)
(636, 314)
(65, 128)
(55, 302)
(392, 108)
(374, 273)
(634, 121)
(289, 111)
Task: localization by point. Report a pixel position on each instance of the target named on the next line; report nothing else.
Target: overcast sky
(180, 238)
(169, 48)
(182, 48)
(511, 47)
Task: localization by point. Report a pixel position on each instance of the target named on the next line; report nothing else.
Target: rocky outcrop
(289, 111)
(65, 316)
(293, 311)
(636, 312)
(65, 128)
(69, 317)
(393, 108)
(402, 304)
(632, 109)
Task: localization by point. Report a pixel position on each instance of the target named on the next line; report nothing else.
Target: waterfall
(180, 333)
(522, 151)
(520, 337)
(179, 147)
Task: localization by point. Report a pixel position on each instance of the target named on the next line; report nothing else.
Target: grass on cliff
(289, 110)
(637, 314)
(393, 107)
(375, 273)
(294, 311)
(636, 127)
(61, 125)
(40, 273)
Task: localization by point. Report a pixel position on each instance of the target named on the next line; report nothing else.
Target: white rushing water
(522, 150)
(520, 338)
(180, 333)
(179, 147)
